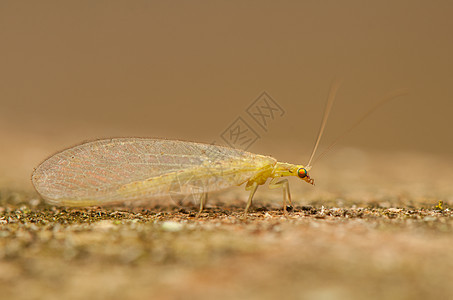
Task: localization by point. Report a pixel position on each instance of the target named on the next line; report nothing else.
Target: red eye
(302, 173)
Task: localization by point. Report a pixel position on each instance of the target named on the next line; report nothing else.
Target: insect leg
(203, 200)
(276, 183)
(252, 188)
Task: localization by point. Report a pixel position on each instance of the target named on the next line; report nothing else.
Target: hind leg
(203, 200)
(252, 188)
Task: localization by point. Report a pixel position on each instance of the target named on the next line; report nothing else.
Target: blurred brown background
(78, 70)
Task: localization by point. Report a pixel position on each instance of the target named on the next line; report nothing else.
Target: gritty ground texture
(355, 251)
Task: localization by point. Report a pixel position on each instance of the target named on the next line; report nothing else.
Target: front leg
(278, 182)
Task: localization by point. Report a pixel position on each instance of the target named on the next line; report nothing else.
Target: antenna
(390, 96)
(332, 94)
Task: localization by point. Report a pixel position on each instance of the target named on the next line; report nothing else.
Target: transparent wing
(132, 168)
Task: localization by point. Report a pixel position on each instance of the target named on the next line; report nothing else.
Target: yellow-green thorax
(281, 169)
(286, 169)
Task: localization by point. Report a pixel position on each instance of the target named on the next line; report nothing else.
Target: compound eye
(302, 173)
